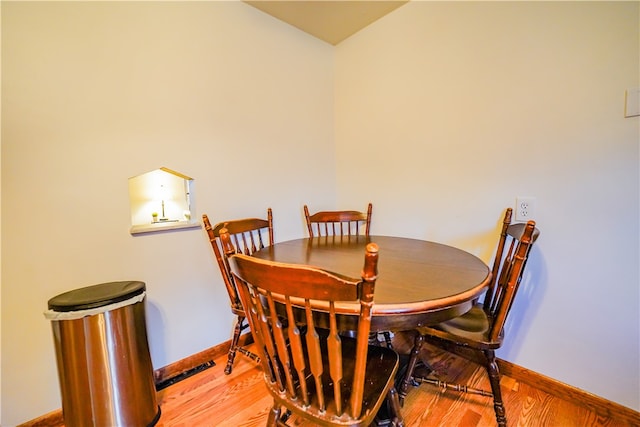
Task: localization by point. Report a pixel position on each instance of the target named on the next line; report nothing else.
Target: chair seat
(473, 324)
(470, 329)
(381, 368)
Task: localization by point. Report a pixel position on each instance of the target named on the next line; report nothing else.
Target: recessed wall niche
(161, 200)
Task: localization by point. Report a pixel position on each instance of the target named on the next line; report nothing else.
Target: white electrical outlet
(525, 208)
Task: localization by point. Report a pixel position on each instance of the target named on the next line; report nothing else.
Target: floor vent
(186, 374)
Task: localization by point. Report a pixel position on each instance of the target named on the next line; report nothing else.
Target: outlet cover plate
(525, 208)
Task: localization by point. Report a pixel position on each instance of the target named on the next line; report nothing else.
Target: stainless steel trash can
(102, 353)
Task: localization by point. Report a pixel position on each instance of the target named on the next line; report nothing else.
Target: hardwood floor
(211, 398)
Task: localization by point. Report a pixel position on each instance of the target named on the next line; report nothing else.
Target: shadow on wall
(155, 334)
(526, 305)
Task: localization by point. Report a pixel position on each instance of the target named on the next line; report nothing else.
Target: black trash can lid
(96, 296)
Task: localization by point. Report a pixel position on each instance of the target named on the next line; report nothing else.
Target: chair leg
(408, 377)
(274, 415)
(234, 344)
(494, 379)
(394, 405)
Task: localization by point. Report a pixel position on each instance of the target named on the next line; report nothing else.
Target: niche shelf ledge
(163, 226)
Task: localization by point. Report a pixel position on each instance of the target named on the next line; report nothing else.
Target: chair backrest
(247, 236)
(516, 241)
(497, 261)
(293, 357)
(338, 223)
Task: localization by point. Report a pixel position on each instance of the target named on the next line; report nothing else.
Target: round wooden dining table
(419, 282)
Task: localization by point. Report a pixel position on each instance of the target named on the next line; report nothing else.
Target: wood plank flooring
(211, 398)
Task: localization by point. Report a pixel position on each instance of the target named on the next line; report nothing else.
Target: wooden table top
(419, 282)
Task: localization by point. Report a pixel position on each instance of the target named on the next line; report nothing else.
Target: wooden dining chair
(482, 328)
(342, 223)
(338, 223)
(315, 373)
(247, 236)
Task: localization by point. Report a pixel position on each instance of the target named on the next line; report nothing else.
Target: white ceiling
(328, 20)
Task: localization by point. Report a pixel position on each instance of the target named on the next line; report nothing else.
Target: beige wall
(95, 93)
(455, 109)
(0, 231)
(435, 106)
